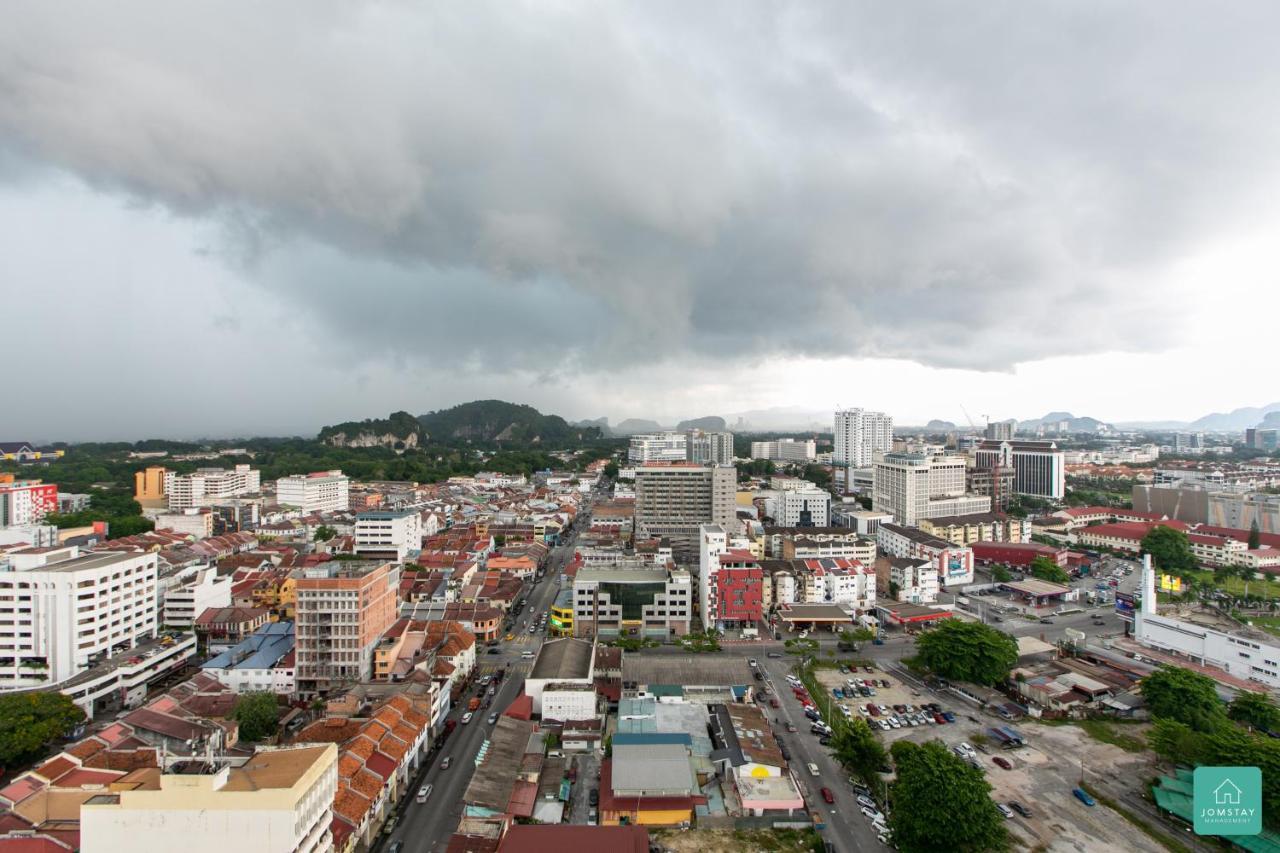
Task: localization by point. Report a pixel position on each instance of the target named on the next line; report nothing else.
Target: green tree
(257, 714)
(1047, 570)
(611, 470)
(1000, 573)
(857, 747)
(1180, 694)
(1255, 709)
(967, 651)
(29, 722)
(1169, 549)
(324, 533)
(941, 802)
(1255, 536)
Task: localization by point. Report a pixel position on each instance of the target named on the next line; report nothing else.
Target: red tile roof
(552, 838)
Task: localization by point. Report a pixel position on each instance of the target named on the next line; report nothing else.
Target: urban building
(982, 527)
(197, 522)
(953, 563)
(806, 508)
(658, 447)
(916, 486)
(908, 579)
(343, 608)
(1039, 469)
(563, 662)
(26, 502)
(389, 535)
(183, 604)
(785, 450)
(321, 491)
(67, 611)
(790, 543)
(148, 485)
(1000, 430)
(1262, 439)
(69, 502)
(994, 483)
(1188, 442)
(209, 485)
(261, 662)
(673, 501)
(860, 436)
(276, 801)
(709, 448)
(633, 600)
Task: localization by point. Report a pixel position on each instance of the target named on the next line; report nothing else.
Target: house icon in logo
(1227, 793)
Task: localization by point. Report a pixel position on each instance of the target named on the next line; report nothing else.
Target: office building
(26, 502)
(915, 486)
(673, 501)
(208, 485)
(321, 491)
(994, 483)
(1039, 469)
(806, 508)
(1262, 439)
(785, 450)
(658, 447)
(342, 611)
(148, 484)
(1000, 430)
(276, 801)
(632, 600)
(953, 563)
(709, 448)
(392, 535)
(861, 435)
(197, 522)
(65, 611)
(1188, 442)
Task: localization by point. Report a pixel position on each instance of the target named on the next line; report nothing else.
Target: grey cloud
(574, 187)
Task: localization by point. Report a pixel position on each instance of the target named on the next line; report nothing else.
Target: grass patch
(1167, 842)
(1270, 624)
(1106, 731)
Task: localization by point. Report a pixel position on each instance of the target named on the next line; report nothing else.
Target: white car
(866, 801)
(466, 718)
(967, 750)
(872, 814)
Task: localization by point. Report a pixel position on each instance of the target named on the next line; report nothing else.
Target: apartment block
(806, 508)
(953, 563)
(709, 448)
(183, 604)
(61, 612)
(391, 535)
(207, 485)
(342, 611)
(785, 450)
(276, 801)
(26, 502)
(982, 527)
(915, 486)
(673, 501)
(658, 447)
(148, 484)
(1039, 467)
(197, 522)
(321, 491)
(860, 435)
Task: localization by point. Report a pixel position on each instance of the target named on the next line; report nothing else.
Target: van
(424, 792)
(813, 769)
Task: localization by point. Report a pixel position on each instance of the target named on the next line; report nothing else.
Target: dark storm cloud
(576, 186)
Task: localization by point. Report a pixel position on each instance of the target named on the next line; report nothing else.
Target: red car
(1001, 761)
(873, 710)
(828, 796)
(773, 702)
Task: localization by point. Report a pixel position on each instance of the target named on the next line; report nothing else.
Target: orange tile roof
(367, 783)
(55, 767)
(349, 765)
(406, 732)
(85, 748)
(394, 747)
(362, 747)
(351, 805)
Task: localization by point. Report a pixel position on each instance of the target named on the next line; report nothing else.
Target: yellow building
(279, 595)
(148, 484)
(561, 619)
(983, 527)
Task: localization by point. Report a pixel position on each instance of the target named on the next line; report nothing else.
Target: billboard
(1125, 602)
(1169, 583)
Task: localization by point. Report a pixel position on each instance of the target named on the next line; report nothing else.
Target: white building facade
(184, 603)
(207, 485)
(322, 491)
(658, 447)
(806, 508)
(916, 486)
(860, 435)
(395, 533)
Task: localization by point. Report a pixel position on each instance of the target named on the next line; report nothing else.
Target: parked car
(1020, 808)
(791, 727)
(423, 793)
(1004, 810)
(594, 797)
(1001, 761)
(774, 703)
(1083, 796)
(828, 796)
(445, 762)
(466, 718)
(865, 801)
(493, 718)
(873, 710)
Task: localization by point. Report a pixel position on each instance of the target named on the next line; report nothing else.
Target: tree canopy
(1175, 693)
(1047, 570)
(1255, 709)
(968, 651)
(1170, 549)
(941, 802)
(1226, 746)
(29, 722)
(257, 714)
(857, 748)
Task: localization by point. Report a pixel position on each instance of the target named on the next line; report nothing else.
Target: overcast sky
(230, 218)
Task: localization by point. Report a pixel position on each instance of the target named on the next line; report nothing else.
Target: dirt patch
(734, 841)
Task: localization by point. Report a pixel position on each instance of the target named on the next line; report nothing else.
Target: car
(1004, 810)
(396, 846)
(983, 749)
(862, 710)
(873, 710)
(965, 748)
(884, 682)
(899, 708)
(885, 839)
(1001, 761)
(804, 635)
(423, 793)
(791, 727)
(774, 703)
(594, 797)
(895, 722)
(495, 651)
(1099, 622)
(786, 752)
(867, 669)
(1046, 621)
(871, 813)
(1020, 808)
(824, 740)
(493, 718)
(509, 637)
(865, 801)
(828, 796)
(774, 655)
(466, 718)
(1083, 796)
(950, 717)
(844, 670)
(445, 762)
(752, 662)
(884, 709)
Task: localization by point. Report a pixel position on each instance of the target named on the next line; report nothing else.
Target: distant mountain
(1236, 420)
(631, 426)
(1053, 420)
(601, 424)
(1271, 421)
(782, 419)
(711, 423)
(939, 426)
(497, 420)
(398, 431)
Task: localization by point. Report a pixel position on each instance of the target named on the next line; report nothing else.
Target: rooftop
(563, 659)
(690, 670)
(276, 768)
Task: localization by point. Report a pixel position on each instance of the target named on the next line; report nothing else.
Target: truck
(474, 704)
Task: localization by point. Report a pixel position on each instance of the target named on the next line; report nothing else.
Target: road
(428, 826)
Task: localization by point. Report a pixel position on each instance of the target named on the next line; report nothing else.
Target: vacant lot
(735, 841)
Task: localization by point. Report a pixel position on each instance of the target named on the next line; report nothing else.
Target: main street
(427, 826)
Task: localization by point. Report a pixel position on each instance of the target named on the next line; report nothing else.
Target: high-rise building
(343, 609)
(1039, 467)
(275, 801)
(658, 447)
(207, 485)
(148, 484)
(26, 502)
(860, 435)
(914, 486)
(388, 534)
(673, 501)
(322, 491)
(65, 610)
(709, 448)
(785, 450)
(1188, 442)
(1000, 430)
(806, 508)
(640, 599)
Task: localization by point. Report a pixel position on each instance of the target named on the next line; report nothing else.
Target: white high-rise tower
(859, 435)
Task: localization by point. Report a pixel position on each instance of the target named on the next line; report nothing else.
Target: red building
(1016, 553)
(26, 502)
(739, 592)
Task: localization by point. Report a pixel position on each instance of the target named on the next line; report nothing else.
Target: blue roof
(651, 738)
(262, 649)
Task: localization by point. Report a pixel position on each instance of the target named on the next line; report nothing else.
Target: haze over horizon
(236, 221)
